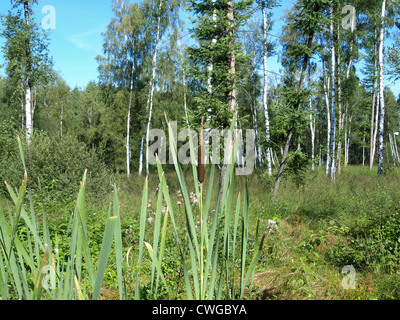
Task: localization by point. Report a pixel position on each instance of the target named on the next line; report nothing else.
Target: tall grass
(31, 266)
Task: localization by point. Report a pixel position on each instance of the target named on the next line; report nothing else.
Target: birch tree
(381, 89)
(333, 93)
(165, 13)
(149, 105)
(312, 130)
(122, 53)
(266, 28)
(28, 63)
(326, 89)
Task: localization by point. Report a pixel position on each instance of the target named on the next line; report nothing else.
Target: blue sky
(76, 40)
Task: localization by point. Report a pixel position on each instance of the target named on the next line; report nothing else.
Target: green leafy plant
(207, 256)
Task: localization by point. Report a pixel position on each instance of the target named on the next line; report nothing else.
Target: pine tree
(216, 25)
(304, 22)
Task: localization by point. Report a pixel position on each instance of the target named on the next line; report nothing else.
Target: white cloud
(86, 40)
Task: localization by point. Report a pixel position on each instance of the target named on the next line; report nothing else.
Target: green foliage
(216, 44)
(26, 49)
(304, 22)
(58, 164)
(9, 171)
(375, 244)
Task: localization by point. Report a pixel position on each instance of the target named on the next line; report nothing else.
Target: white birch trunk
(258, 151)
(339, 104)
(381, 96)
(376, 125)
(28, 86)
(363, 161)
(346, 158)
(272, 159)
(276, 158)
(328, 117)
(312, 128)
(348, 142)
(392, 150)
(395, 146)
(184, 84)
(320, 157)
(265, 89)
(149, 106)
(374, 112)
(333, 94)
(128, 121)
(28, 113)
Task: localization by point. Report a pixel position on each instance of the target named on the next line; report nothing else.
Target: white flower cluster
(193, 198)
(272, 226)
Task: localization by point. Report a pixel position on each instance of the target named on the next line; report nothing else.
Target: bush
(9, 156)
(376, 244)
(58, 164)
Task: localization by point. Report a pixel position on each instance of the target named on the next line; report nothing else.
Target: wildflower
(149, 204)
(193, 198)
(150, 220)
(179, 203)
(272, 226)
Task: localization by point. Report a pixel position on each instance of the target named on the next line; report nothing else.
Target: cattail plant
(209, 269)
(201, 155)
(209, 258)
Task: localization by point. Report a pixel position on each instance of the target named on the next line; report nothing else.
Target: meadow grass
(168, 237)
(207, 243)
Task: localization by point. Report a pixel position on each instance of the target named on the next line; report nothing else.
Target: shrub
(9, 155)
(375, 244)
(58, 164)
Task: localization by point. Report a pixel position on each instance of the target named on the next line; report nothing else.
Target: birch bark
(28, 83)
(381, 96)
(333, 96)
(312, 128)
(374, 113)
(149, 105)
(328, 117)
(265, 89)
